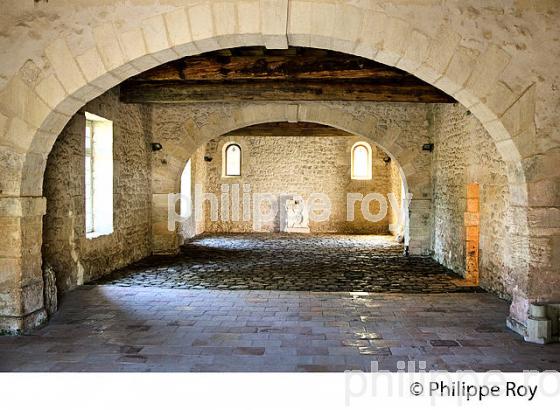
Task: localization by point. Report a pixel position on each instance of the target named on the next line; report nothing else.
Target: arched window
(361, 161)
(232, 160)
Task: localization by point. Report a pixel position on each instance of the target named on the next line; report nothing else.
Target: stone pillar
(21, 279)
(420, 226)
(164, 241)
(539, 327)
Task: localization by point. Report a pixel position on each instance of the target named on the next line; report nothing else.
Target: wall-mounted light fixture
(156, 146)
(207, 158)
(428, 147)
(387, 159)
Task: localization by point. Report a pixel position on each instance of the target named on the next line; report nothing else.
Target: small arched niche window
(232, 160)
(361, 161)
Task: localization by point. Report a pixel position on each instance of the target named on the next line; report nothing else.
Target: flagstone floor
(278, 303)
(113, 328)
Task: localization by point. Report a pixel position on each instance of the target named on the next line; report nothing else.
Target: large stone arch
(82, 64)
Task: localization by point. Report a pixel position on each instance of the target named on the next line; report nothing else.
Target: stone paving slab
(113, 328)
(367, 263)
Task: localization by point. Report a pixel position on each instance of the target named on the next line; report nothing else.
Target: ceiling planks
(296, 74)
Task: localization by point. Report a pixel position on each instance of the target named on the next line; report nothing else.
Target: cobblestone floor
(292, 262)
(112, 328)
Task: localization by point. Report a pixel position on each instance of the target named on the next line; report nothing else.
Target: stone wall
(498, 58)
(302, 166)
(464, 153)
(76, 259)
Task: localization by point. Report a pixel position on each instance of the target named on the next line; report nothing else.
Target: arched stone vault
(80, 64)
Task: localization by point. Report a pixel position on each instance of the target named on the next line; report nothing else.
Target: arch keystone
(274, 20)
(201, 23)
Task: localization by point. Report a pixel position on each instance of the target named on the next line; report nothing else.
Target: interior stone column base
(516, 326)
(542, 324)
(15, 325)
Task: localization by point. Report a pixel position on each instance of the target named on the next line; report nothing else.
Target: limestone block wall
(302, 166)
(76, 259)
(464, 153)
(498, 58)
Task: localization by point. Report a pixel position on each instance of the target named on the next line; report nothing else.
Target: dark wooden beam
(295, 74)
(191, 92)
(317, 66)
(288, 129)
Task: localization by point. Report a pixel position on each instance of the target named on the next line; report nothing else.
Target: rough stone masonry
(499, 62)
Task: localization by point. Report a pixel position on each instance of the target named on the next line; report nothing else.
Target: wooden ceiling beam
(288, 67)
(295, 74)
(193, 92)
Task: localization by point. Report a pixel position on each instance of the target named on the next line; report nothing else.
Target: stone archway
(219, 122)
(78, 68)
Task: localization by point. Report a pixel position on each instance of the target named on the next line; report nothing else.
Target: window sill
(94, 235)
(230, 177)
